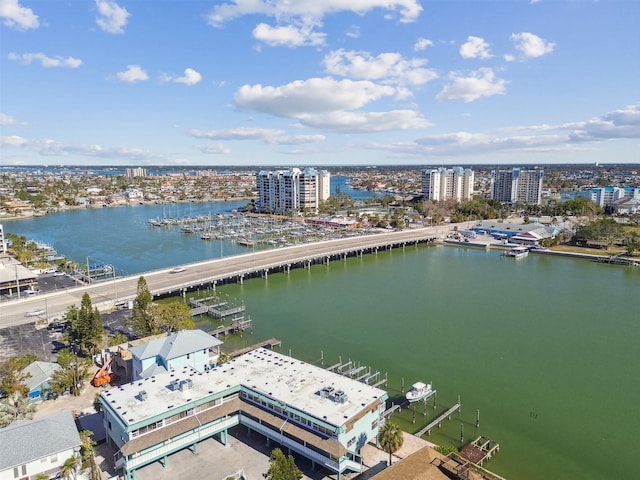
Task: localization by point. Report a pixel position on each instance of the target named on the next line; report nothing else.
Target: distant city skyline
(327, 83)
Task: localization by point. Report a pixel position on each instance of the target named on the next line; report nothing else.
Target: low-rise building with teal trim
(318, 414)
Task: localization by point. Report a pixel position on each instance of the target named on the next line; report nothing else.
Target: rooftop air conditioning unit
(340, 396)
(174, 385)
(143, 395)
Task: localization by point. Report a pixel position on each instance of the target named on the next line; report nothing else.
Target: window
(21, 470)
(53, 458)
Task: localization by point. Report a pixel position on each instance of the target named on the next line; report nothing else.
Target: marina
(507, 359)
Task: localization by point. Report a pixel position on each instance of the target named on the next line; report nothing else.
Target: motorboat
(419, 391)
(517, 252)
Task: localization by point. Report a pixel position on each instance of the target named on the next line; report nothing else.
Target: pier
(438, 421)
(236, 326)
(218, 309)
(272, 342)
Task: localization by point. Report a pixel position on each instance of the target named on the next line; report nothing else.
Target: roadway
(105, 295)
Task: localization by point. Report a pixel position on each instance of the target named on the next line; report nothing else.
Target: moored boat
(419, 391)
(517, 252)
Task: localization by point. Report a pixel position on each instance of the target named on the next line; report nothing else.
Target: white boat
(419, 391)
(517, 252)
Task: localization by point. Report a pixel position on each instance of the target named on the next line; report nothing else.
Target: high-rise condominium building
(292, 190)
(510, 186)
(444, 183)
(135, 172)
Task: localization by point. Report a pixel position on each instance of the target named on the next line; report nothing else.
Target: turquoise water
(546, 348)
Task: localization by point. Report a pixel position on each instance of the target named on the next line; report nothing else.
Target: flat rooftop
(291, 381)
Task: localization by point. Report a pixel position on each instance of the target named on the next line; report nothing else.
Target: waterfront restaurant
(320, 415)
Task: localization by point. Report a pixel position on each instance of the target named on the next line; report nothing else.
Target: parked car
(57, 326)
(35, 313)
(177, 270)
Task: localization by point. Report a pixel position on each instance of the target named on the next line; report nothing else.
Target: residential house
(193, 348)
(32, 447)
(39, 374)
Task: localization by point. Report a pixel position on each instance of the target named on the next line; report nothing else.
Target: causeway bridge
(211, 273)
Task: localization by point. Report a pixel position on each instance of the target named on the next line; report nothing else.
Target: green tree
(172, 316)
(281, 467)
(390, 438)
(71, 375)
(15, 407)
(87, 329)
(633, 244)
(11, 377)
(142, 320)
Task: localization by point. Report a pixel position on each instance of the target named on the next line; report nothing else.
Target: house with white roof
(193, 348)
(31, 447)
(319, 414)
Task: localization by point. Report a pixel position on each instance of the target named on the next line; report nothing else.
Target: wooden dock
(272, 342)
(218, 309)
(438, 421)
(236, 326)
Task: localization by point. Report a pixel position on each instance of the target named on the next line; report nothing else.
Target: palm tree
(70, 467)
(15, 407)
(390, 438)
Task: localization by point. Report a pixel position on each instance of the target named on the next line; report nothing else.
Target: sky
(319, 82)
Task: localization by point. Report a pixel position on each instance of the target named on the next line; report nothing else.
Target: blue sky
(319, 82)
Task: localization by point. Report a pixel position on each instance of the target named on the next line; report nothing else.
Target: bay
(545, 348)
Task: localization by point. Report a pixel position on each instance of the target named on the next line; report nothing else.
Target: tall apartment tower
(135, 172)
(442, 183)
(3, 243)
(510, 186)
(292, 190)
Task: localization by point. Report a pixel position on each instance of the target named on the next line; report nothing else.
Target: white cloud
(7, 119)
(422, 44)
(309, 11)
(241, 133)
(313, 96)
(530, 45)
(190, 77)
(475, 47)
(112, 18)
(17, 16)
(213, 148)
(388, 67)
(481, 83)
(289, 36)
(132, 74)
(13, 141)
(298, 139)
(623, 123)
(353, 31)
(267, 135)
(45, 61)
(365, 122)
(50, 147)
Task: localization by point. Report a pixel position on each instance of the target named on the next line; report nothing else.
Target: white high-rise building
(3, 243)
(292, 190)
(135, 172)
(510, 186)
(442, 183)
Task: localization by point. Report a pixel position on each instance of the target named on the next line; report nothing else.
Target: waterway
(545, 348)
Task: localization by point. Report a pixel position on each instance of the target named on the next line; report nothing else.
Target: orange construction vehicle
(103, 376)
